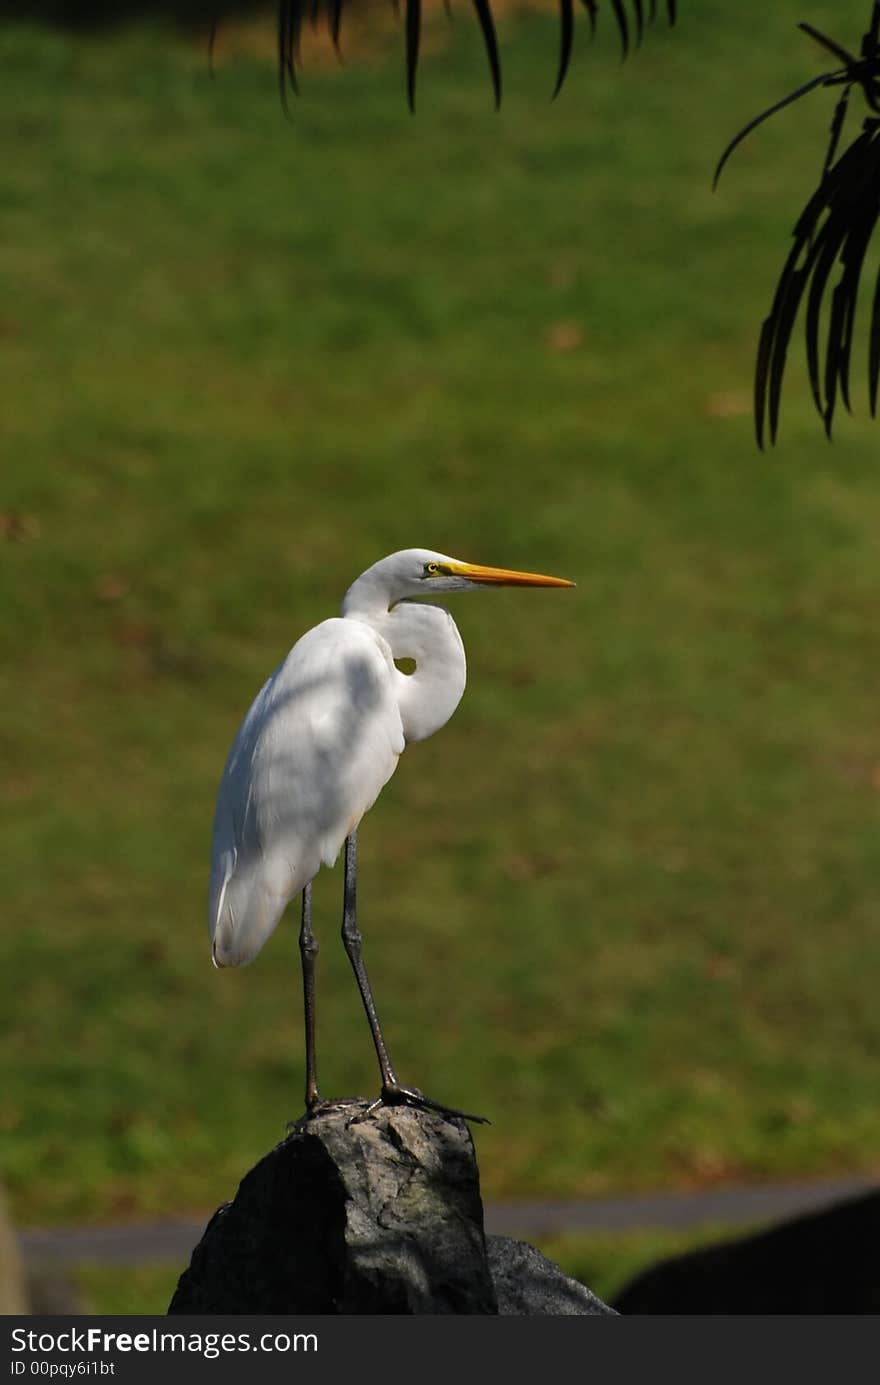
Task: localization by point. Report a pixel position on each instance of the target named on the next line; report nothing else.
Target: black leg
(392, 1090)
(351, 940)
(308, 947)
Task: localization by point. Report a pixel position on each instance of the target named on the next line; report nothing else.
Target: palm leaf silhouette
(630, 17)
(831, 240)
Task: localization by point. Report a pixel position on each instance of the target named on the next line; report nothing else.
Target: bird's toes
(411, 1096)
(323, 1107)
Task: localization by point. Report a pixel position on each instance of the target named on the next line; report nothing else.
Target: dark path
(722, 1207)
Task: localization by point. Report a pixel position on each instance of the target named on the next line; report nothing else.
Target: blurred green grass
(122, 1289)
(625, 903)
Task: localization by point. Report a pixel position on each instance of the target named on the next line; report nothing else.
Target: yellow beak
(502, 576)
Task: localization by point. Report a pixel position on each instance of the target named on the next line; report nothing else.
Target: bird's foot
(394, 1094)
(320, 1107)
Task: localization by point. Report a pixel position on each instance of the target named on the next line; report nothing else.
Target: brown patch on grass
(728, 404)
(18, 528)
(111, 587)
(564, 337)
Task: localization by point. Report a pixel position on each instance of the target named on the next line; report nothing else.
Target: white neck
(428, 635)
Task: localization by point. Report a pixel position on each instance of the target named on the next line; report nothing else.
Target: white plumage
(324, 735)
(319, 742)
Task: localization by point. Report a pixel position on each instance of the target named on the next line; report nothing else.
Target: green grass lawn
(625, 904)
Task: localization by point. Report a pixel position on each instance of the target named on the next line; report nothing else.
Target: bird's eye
(431, 569)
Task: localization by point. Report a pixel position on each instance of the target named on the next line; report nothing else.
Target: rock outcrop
(382, 1215)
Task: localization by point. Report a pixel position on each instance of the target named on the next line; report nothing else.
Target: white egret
(320, 740)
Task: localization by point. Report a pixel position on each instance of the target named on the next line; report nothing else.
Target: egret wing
(321, 739)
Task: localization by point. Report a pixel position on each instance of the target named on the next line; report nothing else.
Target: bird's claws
(321, 1108)
(397, 1095)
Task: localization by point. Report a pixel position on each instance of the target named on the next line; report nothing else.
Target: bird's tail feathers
(249, 907)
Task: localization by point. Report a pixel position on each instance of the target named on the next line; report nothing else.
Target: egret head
(415, 572)
(441, 574)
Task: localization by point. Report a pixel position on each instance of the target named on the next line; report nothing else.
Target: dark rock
(383, 1216)
(823, 1262)
(527, 1284)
